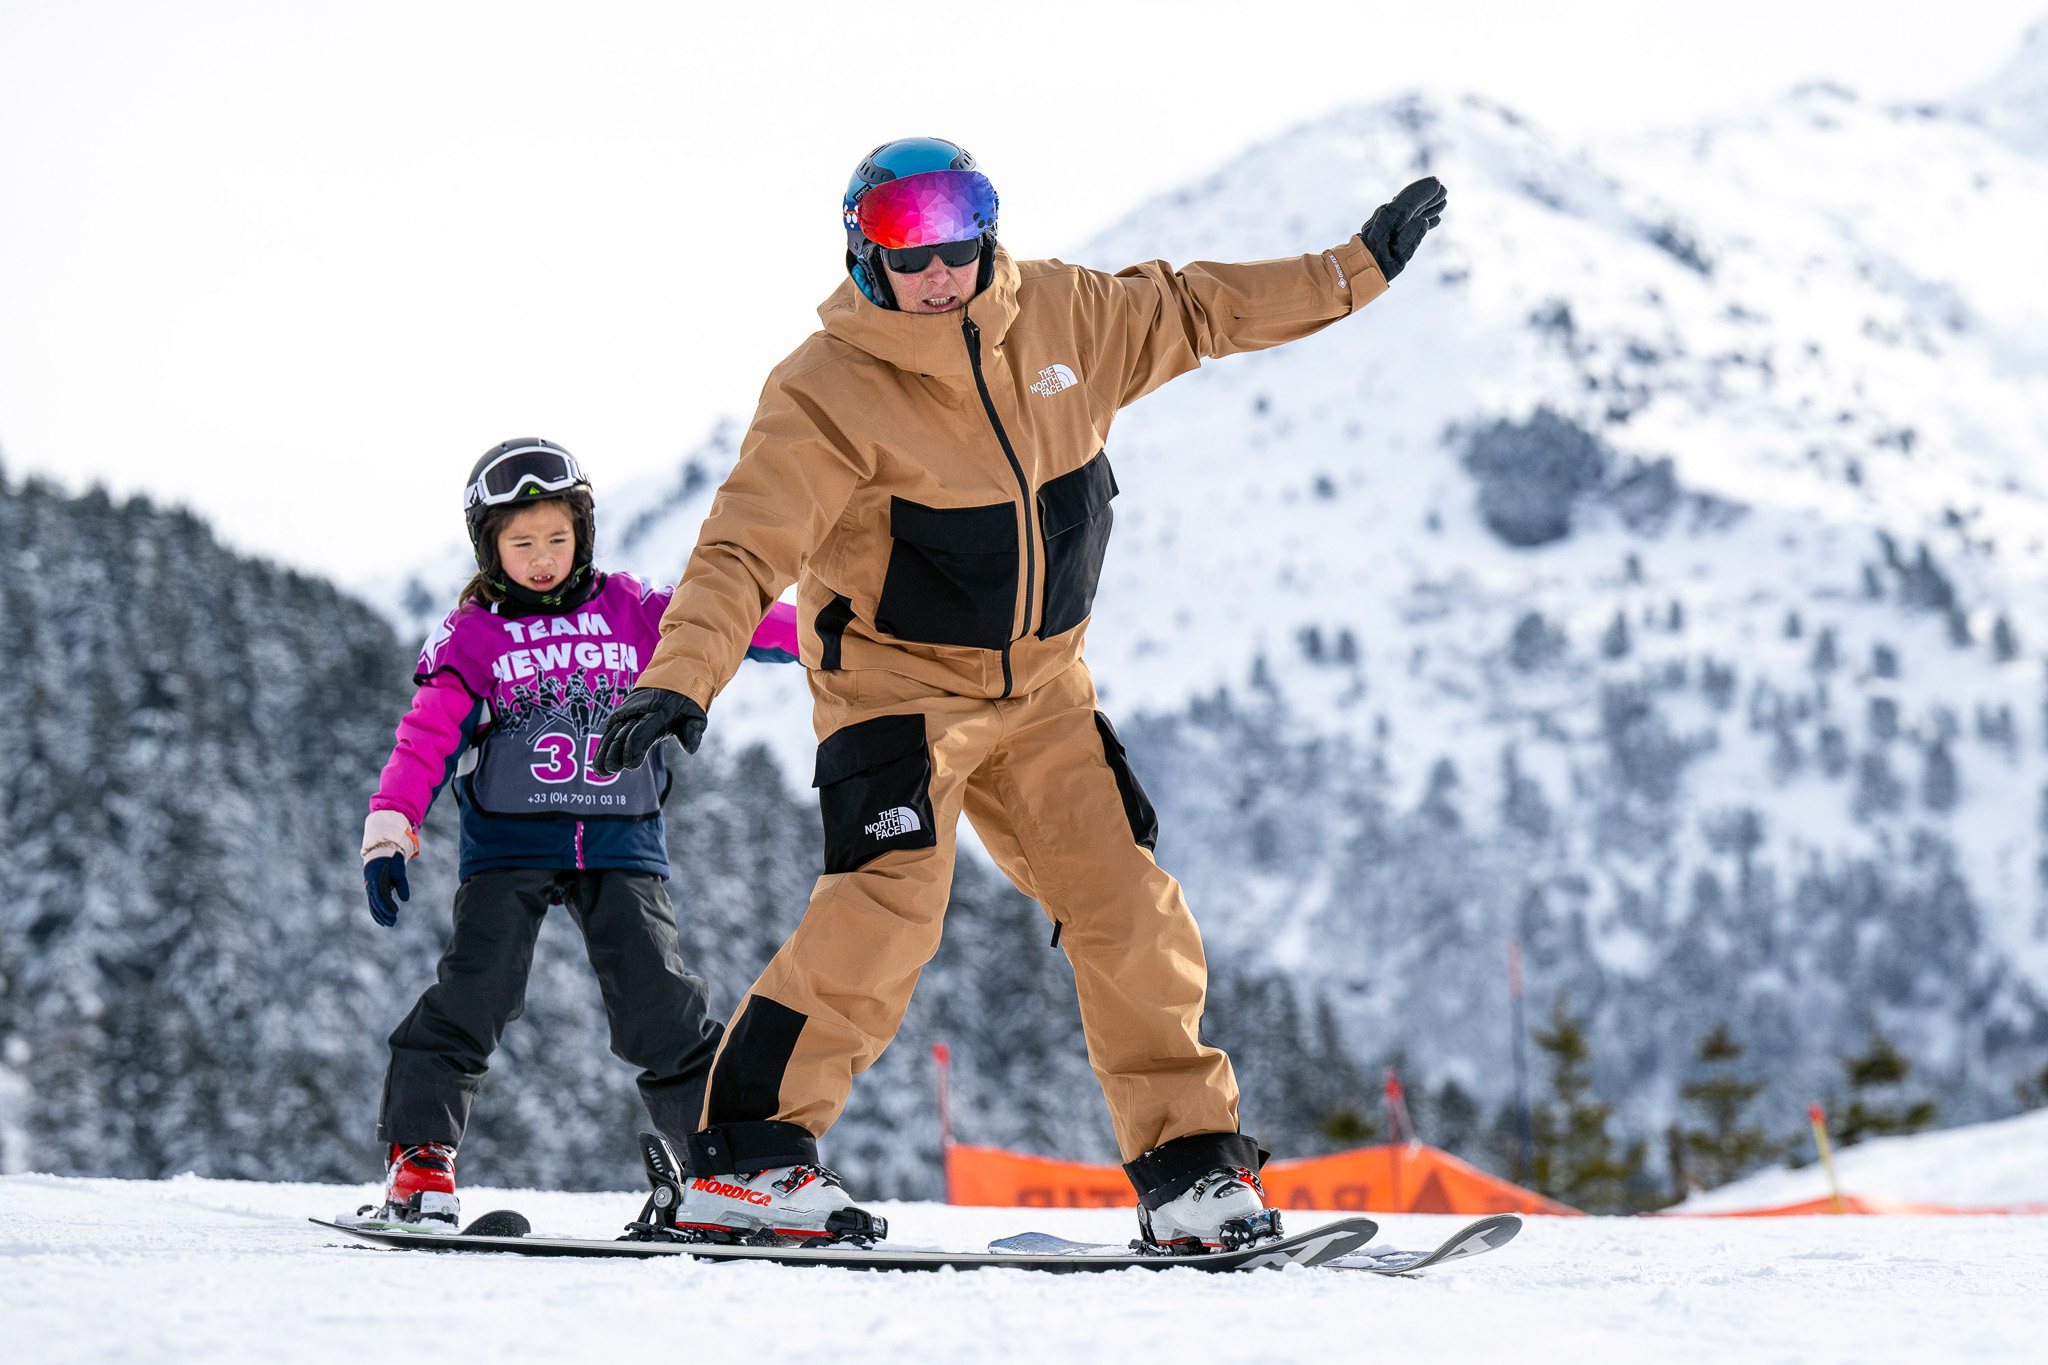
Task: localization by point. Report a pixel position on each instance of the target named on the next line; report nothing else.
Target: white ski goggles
(522, 471)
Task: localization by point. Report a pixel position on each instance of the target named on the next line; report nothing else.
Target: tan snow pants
(1043, 779)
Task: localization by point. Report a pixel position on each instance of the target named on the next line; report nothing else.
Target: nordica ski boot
(1202, 1193)
(419, 1190)
(794, 1201)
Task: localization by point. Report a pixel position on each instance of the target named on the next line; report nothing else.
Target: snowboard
(1324, 1244)
(1488, 1234)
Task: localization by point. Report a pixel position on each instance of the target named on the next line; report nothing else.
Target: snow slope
(188, 1269)
(1980, 1164)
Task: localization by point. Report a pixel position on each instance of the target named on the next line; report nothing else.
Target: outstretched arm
(1166, 321)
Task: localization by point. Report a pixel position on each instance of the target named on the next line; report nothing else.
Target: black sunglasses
(911, 260)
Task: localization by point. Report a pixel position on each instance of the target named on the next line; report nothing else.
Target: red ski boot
(420, 1189)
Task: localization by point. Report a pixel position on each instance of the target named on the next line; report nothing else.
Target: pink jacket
(451, 707)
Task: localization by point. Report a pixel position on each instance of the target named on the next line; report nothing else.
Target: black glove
(381, 877)
(639, 722)
(1395, 230)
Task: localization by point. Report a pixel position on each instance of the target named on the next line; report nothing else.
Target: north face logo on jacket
(890, 823)
(1052, 379)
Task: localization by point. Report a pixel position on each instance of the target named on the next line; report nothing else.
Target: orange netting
(1400, 1177)
(992, 1176)
(1396, 1178)
(1866, 1204)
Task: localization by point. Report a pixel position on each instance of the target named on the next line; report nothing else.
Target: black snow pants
(656, 1009)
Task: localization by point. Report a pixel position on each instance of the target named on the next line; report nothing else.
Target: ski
(1474, 1239)
(1325, 1244)
(1488, 1234)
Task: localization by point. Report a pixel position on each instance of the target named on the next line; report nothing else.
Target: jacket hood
(922, 343)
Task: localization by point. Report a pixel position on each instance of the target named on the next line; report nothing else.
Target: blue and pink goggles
(917, 216)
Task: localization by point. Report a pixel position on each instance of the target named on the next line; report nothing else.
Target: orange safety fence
(1398, 1177)
(992, 1176)
(1866, 1204)
(1394, 1178)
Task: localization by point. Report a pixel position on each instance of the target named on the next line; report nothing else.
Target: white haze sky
(296, 265)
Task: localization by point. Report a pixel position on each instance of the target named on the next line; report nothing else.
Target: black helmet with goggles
(514, 474)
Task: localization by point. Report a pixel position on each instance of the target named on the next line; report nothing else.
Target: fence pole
(1827, 1154)
(942, 1060)
(1525, 1137)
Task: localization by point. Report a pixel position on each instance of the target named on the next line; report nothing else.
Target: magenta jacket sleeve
(431, 737)
(774, 639)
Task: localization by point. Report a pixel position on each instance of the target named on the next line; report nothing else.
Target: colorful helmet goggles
(926, 209)
(522, 469)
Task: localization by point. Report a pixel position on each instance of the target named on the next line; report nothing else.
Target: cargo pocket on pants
(1137, 806)
(874, 784)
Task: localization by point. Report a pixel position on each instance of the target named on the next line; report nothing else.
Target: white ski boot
(1222, 1211)
(1202, 1193)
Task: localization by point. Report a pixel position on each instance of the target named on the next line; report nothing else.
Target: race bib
(536, 759)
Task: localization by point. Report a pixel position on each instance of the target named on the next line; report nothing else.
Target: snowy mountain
(2013, 105)
(1655, 575)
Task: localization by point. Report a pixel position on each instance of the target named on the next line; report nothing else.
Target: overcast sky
(297, 265)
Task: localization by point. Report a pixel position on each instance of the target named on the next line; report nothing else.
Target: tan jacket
(936, 484)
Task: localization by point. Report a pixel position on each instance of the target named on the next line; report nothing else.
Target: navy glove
(1395, 230)
(381, 877)
(638, 723)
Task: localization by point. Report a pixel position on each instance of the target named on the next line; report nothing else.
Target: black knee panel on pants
(746, 1085)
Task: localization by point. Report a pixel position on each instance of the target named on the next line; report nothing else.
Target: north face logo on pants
(890, 823)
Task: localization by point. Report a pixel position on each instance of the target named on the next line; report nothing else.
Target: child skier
(514, 688)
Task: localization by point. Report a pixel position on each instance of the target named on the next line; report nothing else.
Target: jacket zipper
(973, 334)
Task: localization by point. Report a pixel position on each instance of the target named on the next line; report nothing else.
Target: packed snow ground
(192, 1269)
(2002, 1163)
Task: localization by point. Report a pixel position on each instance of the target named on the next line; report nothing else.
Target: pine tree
(2032, 1091)
(1575, 1158)
(1614, 641)
(1453, 1122)
(1876, 1107)
(1725, 1148)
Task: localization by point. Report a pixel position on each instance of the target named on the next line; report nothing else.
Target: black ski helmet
(894, 160)
(517, 473)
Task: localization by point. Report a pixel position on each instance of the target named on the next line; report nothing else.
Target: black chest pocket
(1074, 510)
(952, 574)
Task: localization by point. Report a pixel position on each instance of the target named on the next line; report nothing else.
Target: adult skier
(513, 687)
(929, 469)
